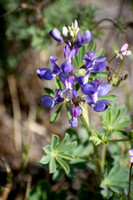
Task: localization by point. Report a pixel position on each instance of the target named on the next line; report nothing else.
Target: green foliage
(49, 91)
(98, 138)
(109, 97)
(115, 181)
(58, 151)
(42, 191)
(58, 83)
(115, 119)
(55, 115)
(78, 60)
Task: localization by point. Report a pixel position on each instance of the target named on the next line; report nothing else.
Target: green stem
(103, 157)
(130, 174)
(120, 67)
(120, 140)
(86, 125)
(97, 161)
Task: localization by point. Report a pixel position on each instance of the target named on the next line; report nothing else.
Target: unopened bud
(126, 77)
(118, 83)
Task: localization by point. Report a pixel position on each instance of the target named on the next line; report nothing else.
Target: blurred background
(25, 45)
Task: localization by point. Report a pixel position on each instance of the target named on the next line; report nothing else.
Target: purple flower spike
(75, 113)
(49, 101)
(67, 67)
(55, 33)
(131, 154)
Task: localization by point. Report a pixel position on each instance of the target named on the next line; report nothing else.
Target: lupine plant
(84, 79)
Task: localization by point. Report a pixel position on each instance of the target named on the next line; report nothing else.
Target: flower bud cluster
(90, 90)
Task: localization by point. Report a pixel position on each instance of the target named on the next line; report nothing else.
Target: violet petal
(87, 89)
(103, 89)
(87, 36)
(48, 101)
(55, 33)
(67, 67)
(100, 105)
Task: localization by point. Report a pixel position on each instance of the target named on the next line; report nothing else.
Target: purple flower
(124, 50)
(68, 81)
(55, 33)
(81, 40)
(93, 90)
(131, 154)
(66, 66)
(49, 101)
(94, 64)
(75, 113)
(49, 74)
(68, 53)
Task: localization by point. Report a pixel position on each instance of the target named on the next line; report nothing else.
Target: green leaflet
(55, 115)
(100, 53)
(63, 142)
(78, 59)
(47, 149)
(52, 165)
(68, 112)
(49, 91)
(63, 164)
(54, 142)
(58, 83)
(92, 46)
(45, 159)
(108, 97)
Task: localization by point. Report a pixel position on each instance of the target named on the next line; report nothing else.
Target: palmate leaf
(116, 180)
(115, 118)
(58, 151)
